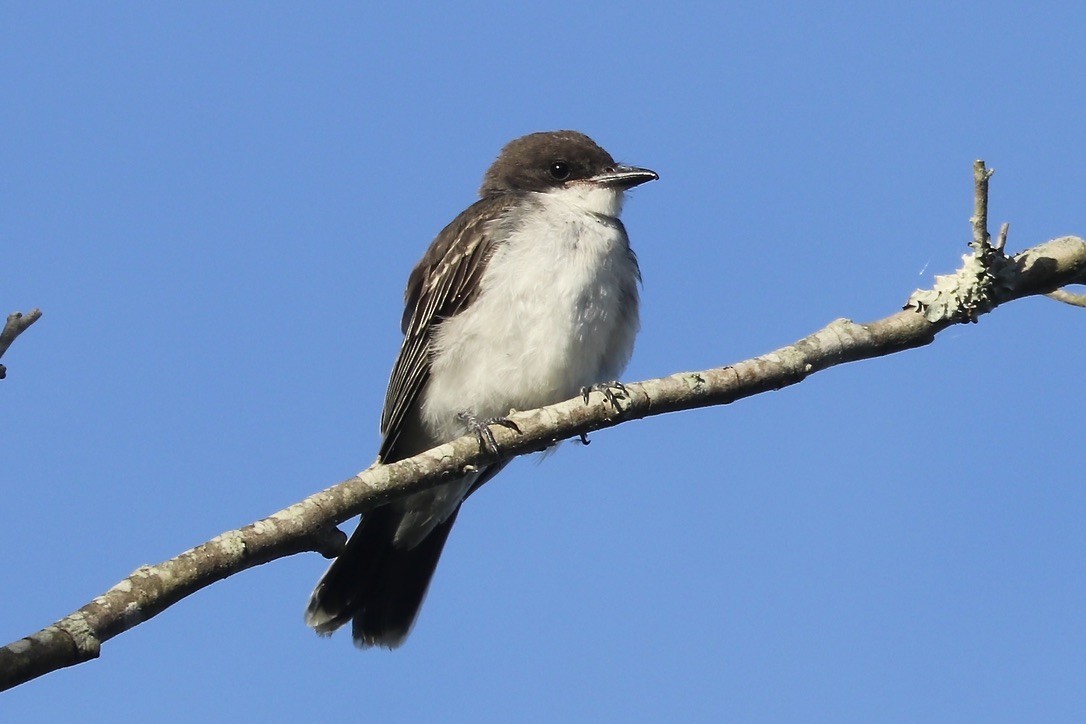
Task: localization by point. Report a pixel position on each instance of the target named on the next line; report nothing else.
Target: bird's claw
(612, 391)
(482, 430)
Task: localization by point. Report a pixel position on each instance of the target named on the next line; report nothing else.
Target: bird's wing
(443, 284)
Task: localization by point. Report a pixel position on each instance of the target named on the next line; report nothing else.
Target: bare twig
(17, 323)
(981, 174)
(1001, 242)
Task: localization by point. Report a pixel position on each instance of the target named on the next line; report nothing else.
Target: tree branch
(17, 324)
(987, 279)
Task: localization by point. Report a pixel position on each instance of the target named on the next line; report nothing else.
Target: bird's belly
(547, 322)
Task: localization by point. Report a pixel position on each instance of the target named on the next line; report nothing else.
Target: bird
(527, 298)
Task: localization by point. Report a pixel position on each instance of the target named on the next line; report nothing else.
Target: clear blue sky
(217, 209)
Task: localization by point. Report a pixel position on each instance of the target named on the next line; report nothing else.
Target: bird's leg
(481, 428)
(612, 391)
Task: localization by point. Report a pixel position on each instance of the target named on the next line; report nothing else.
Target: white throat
(593, 198)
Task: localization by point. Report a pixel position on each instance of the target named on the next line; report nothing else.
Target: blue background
(217, 207)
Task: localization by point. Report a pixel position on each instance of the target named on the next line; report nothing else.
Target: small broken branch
(979, 220)
(983, 277)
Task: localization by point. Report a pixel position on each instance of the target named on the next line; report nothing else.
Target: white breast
(557, 310)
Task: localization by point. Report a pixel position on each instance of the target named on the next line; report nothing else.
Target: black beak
(623, 177)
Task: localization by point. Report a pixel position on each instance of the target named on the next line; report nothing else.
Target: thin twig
(981, 238)
(1001, 242)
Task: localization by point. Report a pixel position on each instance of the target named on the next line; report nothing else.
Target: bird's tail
(377, 583)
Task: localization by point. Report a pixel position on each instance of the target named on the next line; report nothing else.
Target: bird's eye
(560, 170)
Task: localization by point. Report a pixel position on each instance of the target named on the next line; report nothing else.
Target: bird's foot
(481, 428)
(612, 391)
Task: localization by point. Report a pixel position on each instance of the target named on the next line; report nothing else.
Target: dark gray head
(552, 159)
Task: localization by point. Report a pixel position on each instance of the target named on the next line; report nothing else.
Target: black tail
(378, 584)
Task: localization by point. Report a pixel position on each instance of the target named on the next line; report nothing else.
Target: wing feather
(444, 283)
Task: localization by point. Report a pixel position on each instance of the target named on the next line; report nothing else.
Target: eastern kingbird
(525, 299)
